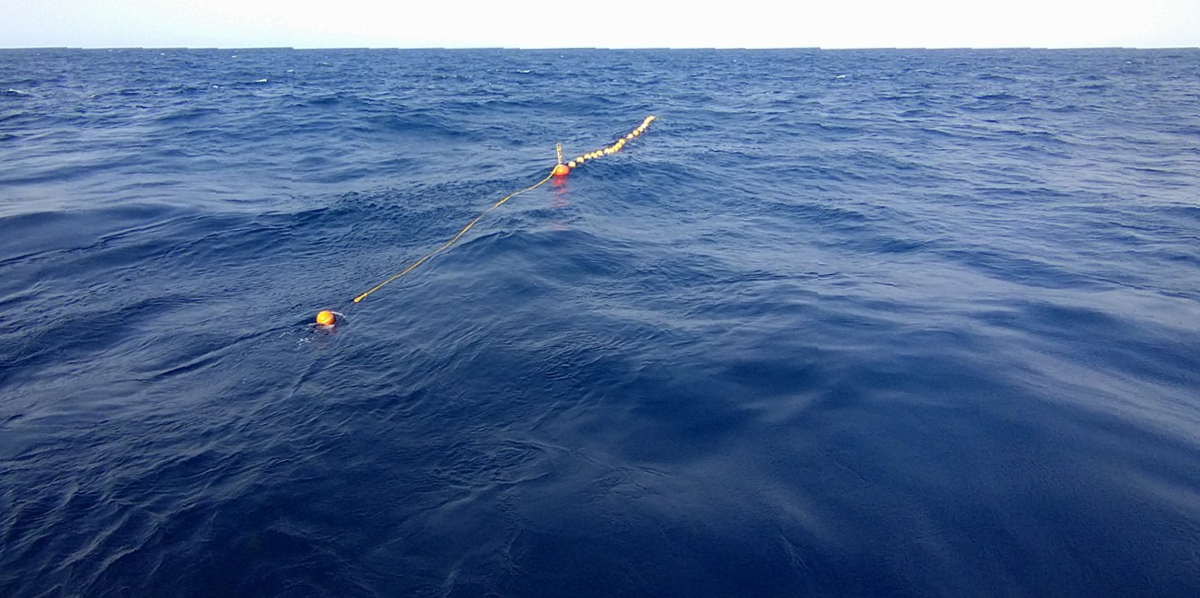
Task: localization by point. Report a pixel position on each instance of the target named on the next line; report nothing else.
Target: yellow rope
(612, 149)
(456, 237)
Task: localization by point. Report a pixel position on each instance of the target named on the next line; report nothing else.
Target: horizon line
(568, 49)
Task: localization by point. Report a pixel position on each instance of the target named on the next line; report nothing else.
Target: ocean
(911, 323)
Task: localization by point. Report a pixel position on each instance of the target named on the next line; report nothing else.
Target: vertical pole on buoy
(560, 169)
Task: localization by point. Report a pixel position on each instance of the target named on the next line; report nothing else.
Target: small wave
(1000, 97)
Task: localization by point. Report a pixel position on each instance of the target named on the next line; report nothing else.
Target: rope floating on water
(447, 244)
(327, 318)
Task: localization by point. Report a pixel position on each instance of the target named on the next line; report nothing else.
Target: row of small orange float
(565, 169)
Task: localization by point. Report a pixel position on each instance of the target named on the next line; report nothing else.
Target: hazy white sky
(609, 24)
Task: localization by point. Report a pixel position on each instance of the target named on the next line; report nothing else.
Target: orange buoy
(326, 318)
(561, 170)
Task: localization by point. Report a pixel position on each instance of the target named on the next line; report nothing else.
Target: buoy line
(329, 318)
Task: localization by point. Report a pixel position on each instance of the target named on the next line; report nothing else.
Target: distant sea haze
(855, 323)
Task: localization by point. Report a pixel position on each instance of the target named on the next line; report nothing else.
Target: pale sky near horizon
(611, 24)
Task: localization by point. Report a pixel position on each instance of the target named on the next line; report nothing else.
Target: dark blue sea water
(877, 323)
